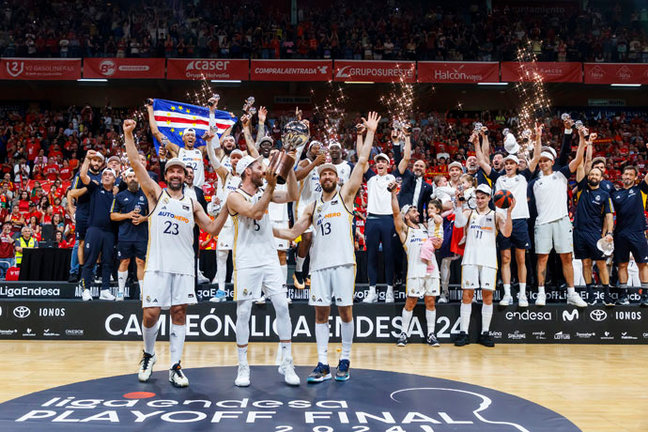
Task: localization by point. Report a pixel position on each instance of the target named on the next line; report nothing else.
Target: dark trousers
(380, 229)
(98, 241)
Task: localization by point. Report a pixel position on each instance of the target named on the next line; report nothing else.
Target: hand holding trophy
(294, 135)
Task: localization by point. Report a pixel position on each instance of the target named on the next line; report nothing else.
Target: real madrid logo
(313, 298)
(319, 208)
(148, 298)
(245, 291)
(165, 200)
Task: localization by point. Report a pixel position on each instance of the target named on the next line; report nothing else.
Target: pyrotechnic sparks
(535, 103)
(331, 113)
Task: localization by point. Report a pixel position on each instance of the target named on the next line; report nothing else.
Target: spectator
(25, 241)
(7, 250)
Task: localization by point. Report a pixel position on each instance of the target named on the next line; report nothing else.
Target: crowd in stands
(365, 30)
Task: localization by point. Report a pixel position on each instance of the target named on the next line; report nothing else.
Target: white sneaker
(177, 377)
(120, 295)
(371, 298)
(261, 300)
(202, 279)
(106, 295)
(86, 296)
(507, 300)
(576, 300)
(287, 369)
(389, 297)
(146, 367)
(443, 298)
(541, 300)
(243, 376)
(522, 301)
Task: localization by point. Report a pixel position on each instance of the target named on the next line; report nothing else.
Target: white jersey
(416, 267)
(332, 234)
(171, 236)
(378, 197)
(230, 184)
(310, 190)
(344, 172)
(481, 244)
(278, 212)
(226, 162)
(194, 159)
(517, 185)
(254, 244)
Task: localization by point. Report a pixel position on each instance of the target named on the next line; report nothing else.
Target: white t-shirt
(551, 196)
(517, 185)
(378, 197)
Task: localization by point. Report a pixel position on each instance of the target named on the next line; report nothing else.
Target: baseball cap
(382, 156)
(266, 139)
(174, 162)
(114, 158)
(188, 130)
(99, 155)
(312, 143)
(326, 166)
(109, 170)
(335, 144)
(455, 164)
(547, 155)
(238, 152)
(245, 162)
(484, 188)
(513, 158)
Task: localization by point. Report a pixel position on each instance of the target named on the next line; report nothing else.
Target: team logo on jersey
(126, 199)
(245, 291)
(313, 298)
(185, 207)
(148, 298)
(165, 200)
(334, 202)
(598, 198)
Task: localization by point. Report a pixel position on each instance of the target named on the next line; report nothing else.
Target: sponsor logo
(645, 335)
(15, 68)
(624, 73)
(51, 312)
(628, 315)
(29, 333)
(626, 336)
(598, 315)
(597, 72)
(529, 316)
(585, 335)
(358, 71)
(517, 335)
(570, 316)
(607, 336)
(21, 312)
(8, 332)
(562, 336)
(74, 332)
(539, 335)
(496, 334)
(107, 67)
(49, 333)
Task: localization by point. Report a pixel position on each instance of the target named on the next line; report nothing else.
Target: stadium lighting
(625, 85)
(492, 83)
(227, 81)
(92, 80)
(359, 82)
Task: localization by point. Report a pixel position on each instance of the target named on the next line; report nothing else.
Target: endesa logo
(529, 316)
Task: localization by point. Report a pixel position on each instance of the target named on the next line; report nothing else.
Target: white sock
(347, 339)
(141, 287)
(299, 263)
(507, 289)
(322, 339)
(286, 350)
(407, 318)
(522, 289)
(390, 289)
(242, 355)
(430, 319)
(150, 335)
(464, 313)
(372, 290)
(571, 291)
(176, 342)
(541, 289)
(487, 314)
(121, 279)
(284, 272)
(221, 268)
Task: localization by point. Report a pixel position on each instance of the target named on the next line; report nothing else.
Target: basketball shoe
(146, 366)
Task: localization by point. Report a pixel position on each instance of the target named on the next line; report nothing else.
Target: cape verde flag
(174, 117)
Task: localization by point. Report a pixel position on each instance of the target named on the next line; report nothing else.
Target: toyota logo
(598, 315)
(21, 312)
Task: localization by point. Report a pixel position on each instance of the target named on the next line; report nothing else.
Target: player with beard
(130, 208)
(629, 233)
(309, 190)
(515, 181)
(479, 264)
(342, 166)
(170, 272)
(256, 264)
(333, 255)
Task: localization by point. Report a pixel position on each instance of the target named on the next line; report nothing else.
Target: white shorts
(556, 235)
(161, 289)
(476, 276)
(248, 282)
(226, 238)
(333, 283)
(281, 244)
(422, 286)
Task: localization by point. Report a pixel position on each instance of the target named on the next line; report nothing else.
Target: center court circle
(371, 401)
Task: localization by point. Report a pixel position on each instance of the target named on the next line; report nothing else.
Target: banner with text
(375, 71)
(211, 69)
(40, 69)
(291, 70)
(616, 73)
(112, 68)
(549, 71)
(458, 72)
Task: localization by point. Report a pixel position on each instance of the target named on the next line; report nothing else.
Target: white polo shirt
(551, 196)
(378, 197)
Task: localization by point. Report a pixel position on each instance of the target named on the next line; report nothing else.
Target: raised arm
(211, 155)
(565, 147)
(83, 172)
(399, 225)
(239, 205)
(305, 167)
(292, 189)
(350, 188)
(262, 114)
(251, 145)
(588, 153)
(580, 153)
(162, 139)
(482, 159)
(299, 227)
(407, 155)
(583, 169)
(149, 187)
(537, 148)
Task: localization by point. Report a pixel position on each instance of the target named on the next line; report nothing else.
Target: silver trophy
(295, 134)
(248, 106)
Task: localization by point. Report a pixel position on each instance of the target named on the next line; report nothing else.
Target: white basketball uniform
(479, 264)
(419, 283)
(256, 263)
(226, 162)
(226, 236)
(344, 172)
(279, 214)
(310, 190)
(194, 159)
(170, 275)
(332, 254)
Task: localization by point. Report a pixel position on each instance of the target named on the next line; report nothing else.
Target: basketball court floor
(559, 387)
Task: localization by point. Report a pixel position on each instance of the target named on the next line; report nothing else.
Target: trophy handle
(281, 163)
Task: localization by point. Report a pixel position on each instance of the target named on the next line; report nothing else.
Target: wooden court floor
(598, 387)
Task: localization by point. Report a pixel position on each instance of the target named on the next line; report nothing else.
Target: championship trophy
(248, 107)
(294, 135)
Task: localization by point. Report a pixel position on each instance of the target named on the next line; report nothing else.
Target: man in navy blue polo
(130, 210)
(100, 238)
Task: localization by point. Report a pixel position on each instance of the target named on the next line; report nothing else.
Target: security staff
(23, 242)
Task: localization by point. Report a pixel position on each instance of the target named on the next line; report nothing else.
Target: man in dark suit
(414, 189)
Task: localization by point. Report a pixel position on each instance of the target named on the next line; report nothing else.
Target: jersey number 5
(171, 228)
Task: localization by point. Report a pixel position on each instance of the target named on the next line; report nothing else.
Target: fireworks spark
(332, 112)
(400, 101)
(531, 90)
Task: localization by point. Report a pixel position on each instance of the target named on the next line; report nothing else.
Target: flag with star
(174, 117)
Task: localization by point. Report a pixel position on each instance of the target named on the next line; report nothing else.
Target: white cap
(238, 152)
(99, 155)
(382, 156)
(109, 170)
(335, 144)
(513, 158)
(174, 162)
(312, 143)
(266, 139)
(484, 188)
(326, 166)
(186, 131)
(245, 162)
(455, 164)
(547, 155)
(510, 144)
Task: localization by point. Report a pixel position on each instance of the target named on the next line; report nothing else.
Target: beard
(593, 182)
(257, 181)
(175, 185)
(329, 187)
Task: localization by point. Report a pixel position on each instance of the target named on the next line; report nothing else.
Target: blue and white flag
(174, 117)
